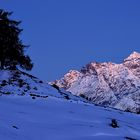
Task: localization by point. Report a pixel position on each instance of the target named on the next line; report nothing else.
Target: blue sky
(67, 34)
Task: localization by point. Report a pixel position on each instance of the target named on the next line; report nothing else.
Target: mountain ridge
(17, 82)
(109, 84)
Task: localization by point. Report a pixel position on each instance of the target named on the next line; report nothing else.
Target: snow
(20, 83)
(23, 118)
(107, 84)
(134, 55)
(46, 113)
(4, 75)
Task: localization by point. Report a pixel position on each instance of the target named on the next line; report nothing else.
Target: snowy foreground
(31, 109)
(52, 118)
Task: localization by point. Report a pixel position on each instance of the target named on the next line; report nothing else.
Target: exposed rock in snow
(16, 82)
(110, 84)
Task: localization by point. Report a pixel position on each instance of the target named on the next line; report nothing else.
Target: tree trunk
(1, 65)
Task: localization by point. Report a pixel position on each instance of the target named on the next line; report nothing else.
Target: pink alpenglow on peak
(134, 55)
(109, 84)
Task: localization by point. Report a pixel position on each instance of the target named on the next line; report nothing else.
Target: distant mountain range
(108, 84)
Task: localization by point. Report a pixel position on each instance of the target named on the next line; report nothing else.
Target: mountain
(108, 84)
(33, 110)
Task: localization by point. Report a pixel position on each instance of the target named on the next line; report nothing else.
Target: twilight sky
(67, 34)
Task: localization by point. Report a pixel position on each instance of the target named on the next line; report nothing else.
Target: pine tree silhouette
(12, 50)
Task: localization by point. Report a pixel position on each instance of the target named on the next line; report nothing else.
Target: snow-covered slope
(52, 118)
(16, 82)
(109, 84)
(33, 110)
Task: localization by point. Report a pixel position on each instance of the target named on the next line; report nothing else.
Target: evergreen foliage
(12, 50)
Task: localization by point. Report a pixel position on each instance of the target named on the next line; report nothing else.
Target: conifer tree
(12, 50)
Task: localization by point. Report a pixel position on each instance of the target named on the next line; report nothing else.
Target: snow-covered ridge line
(109, 84)
(16, 82)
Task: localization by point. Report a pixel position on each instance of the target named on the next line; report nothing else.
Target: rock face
(109, 84)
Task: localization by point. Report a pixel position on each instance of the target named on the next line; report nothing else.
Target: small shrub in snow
(4, 83)
(21, 83)
(15, 127)
(114, 123)
(33, 97)
(22, 94)
(35, 88)
(67, 97)
(28, 87)
(128, 138)
(25, 90)
(82, 95)
(40, 81)
(7, 93)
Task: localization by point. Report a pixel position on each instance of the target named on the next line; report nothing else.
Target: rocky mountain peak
(110, 84)
(133, 56)
(133, 63)
(71, 77)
